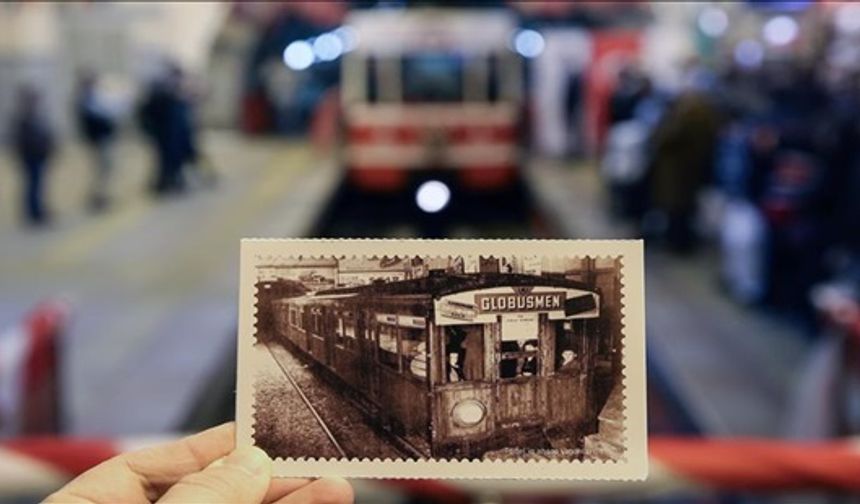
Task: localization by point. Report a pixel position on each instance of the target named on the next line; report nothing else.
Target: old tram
(458, 364)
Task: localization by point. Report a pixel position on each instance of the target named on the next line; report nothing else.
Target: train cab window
(464, 347)
(432, 77)
(388, 345)
(519, 358)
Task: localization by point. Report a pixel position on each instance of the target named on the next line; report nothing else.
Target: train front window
(464, 349)
(432, 77)
(519, 358)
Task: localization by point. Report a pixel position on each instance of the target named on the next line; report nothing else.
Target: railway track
(400, 444)
(307, 402)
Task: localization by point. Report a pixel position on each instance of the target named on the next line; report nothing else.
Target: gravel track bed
(284, 427)
(346, 423)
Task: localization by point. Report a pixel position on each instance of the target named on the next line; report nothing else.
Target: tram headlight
(468, 413)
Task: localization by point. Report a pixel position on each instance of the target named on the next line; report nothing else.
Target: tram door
(518, 339)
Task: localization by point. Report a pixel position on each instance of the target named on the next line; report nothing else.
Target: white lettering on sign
(502, 303)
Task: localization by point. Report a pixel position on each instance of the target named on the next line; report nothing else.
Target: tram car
(456, 365)
(271, 290)
(432, 93)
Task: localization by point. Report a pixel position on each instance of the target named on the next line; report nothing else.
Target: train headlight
(469, 412)
(432, 196)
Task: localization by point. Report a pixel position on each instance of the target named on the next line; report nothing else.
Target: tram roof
(395, 31)
(444, 284)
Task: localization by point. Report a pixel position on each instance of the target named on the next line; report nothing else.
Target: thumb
(242, 476)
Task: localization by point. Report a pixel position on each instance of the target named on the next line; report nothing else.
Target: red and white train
(432, 90)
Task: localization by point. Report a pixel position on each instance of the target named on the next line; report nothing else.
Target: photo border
(633, 466)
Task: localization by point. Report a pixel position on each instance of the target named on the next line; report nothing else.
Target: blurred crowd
(164, 114)
(762, 166)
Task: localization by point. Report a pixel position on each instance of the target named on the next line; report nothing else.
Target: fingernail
(250, 458)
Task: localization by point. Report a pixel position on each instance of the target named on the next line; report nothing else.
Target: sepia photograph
(504, 357)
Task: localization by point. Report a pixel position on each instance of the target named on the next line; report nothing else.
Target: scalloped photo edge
(455, 445)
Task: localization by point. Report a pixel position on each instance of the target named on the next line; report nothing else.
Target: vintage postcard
(444, 358)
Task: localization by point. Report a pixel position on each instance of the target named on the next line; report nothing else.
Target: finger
(242, 476)
(321, 491)
(144, 475)
(280, 487)
(160, 467)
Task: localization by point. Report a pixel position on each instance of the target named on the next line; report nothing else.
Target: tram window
(519, 358)
(316, 321)
(388, 345)
(345, 331)
(464, 347)
(414, 351)
(305, 318)
(293, 317)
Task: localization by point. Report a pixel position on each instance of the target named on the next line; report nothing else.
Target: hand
(201, 468)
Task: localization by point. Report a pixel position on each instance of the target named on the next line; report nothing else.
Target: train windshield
(432, 77)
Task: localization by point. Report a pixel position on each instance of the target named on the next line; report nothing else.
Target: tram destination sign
(520, 302)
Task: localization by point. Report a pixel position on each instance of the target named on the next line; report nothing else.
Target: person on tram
(455, 372)
(530, 363)
(569, 363)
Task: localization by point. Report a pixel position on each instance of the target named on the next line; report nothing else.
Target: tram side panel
(401, 393)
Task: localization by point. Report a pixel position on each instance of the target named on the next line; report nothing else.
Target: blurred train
(457, 365)
(430, 93)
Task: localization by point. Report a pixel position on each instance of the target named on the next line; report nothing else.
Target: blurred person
(33, 143)
(683, 149)
(199, 166)
(97, 124)
(206, 467)
(631, 88)
(165, 117)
